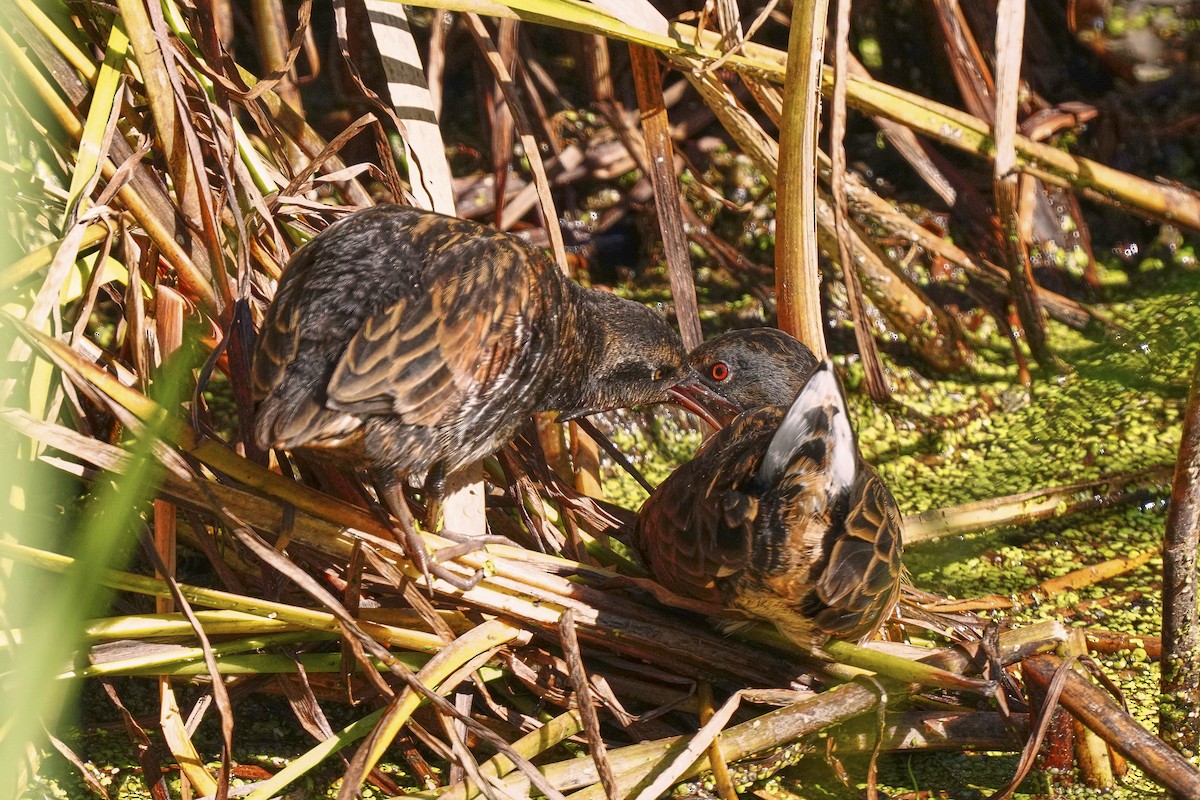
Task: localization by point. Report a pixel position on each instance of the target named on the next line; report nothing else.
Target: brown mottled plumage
(406, 341)
(777, 516)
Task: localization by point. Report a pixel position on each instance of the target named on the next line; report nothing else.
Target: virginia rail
(413, 343)
(777, 516)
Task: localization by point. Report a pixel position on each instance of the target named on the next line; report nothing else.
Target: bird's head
(750, 369)
(632, 358)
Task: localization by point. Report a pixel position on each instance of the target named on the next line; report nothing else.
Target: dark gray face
(640, 349)
(755, 367)
(633, 357)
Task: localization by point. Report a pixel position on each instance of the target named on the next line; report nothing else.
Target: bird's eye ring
(720, 371)
(657, 375)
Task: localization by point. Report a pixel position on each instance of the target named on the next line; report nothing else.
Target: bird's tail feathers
(288, 424)
(818, 412)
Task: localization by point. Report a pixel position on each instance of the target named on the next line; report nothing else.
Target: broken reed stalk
(903, 669)
(1014, 194)
(1056, 751)
(586, 702)
(699, 743)
(1179, 705)
(876, 382)
(656, 128)
(1034, 505)
(530, 745)
(635, 763)
(1048, 589)
(1096, 709)
(228, 623)
(939, 730)
(1091, 753)
(797, 279)
(1107, 642)
(149, 658)
(720, 769)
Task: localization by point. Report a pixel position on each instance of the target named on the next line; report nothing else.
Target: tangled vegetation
(991, 226)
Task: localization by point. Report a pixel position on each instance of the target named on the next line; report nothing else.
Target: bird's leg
(435, 488)
(392, 493)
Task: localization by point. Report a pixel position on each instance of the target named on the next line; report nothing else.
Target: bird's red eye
(720, 371)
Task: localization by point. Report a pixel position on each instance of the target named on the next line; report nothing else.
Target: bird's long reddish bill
(704, 403)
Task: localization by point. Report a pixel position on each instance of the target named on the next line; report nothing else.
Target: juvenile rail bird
(412, 344)
(777, 516)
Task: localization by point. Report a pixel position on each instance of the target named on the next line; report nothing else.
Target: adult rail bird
(777, 516)
(412, 344)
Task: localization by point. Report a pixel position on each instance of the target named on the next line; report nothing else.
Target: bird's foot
(470, 542)
(463, 545)
(414, 546)
(430, 566)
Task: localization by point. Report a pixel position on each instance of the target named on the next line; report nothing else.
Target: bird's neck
(573, 364)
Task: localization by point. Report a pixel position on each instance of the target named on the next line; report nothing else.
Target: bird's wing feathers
(395, 365)
(860, 582)
(813, 459)
(674, 539)
(419, 359)
(482, 339)
(289, 419)
(698, 526)
(817, 415)
(276, 345)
